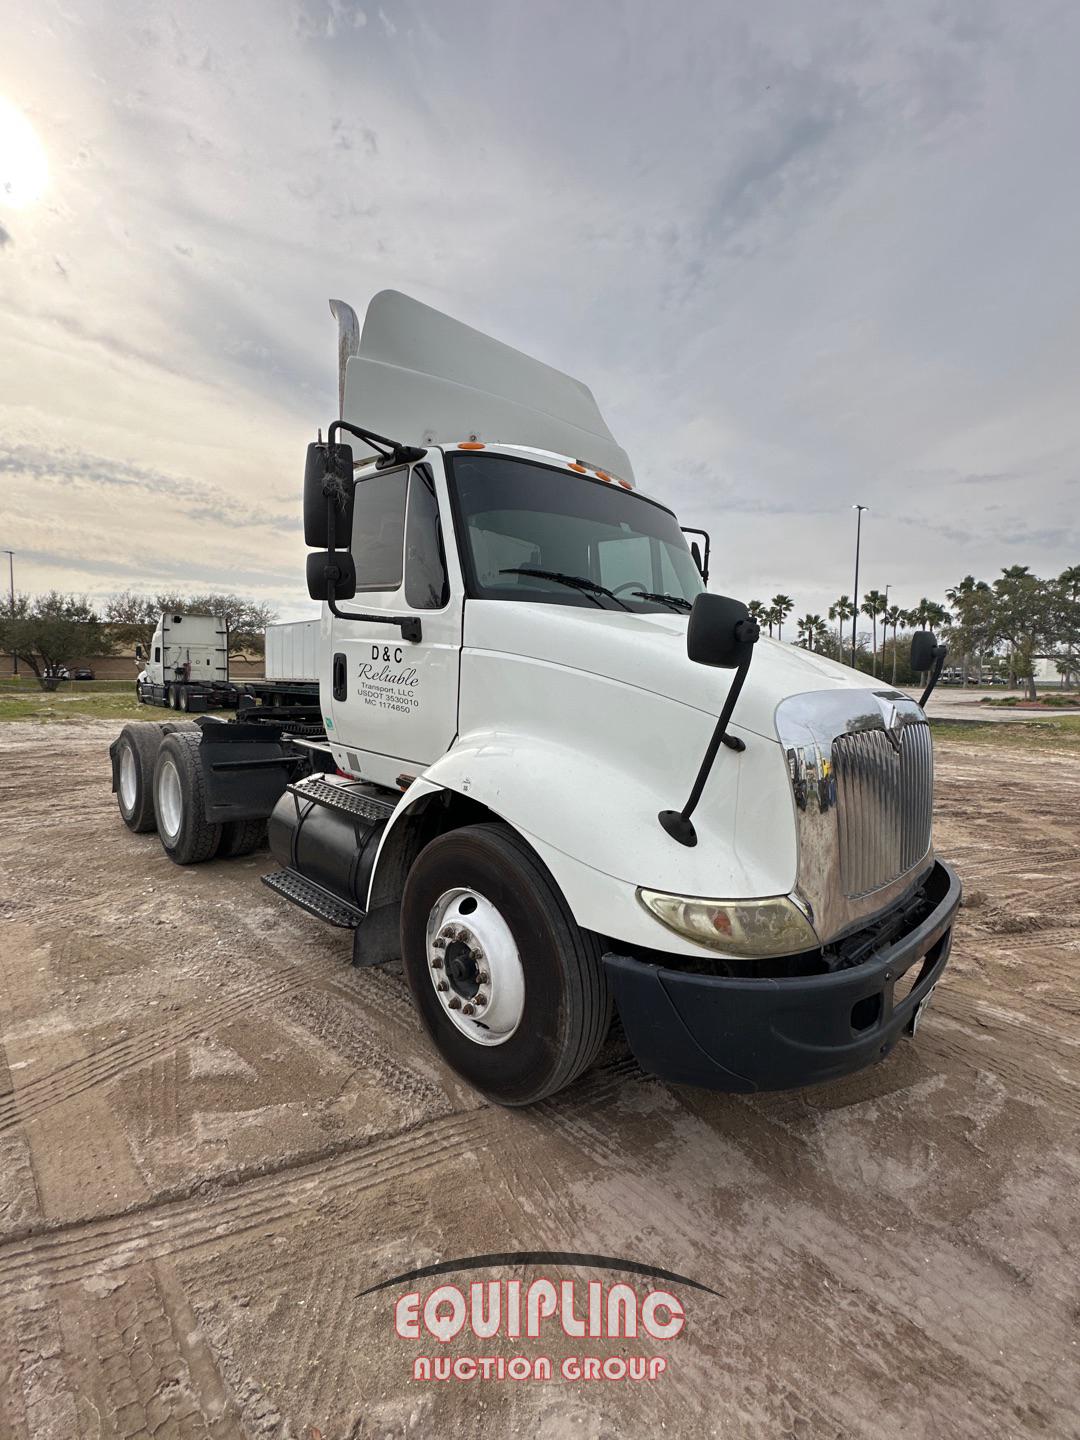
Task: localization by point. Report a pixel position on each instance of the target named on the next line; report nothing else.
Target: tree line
(1002, 626)
(49, 633)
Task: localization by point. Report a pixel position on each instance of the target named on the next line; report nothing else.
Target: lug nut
(466, 1009)
(455, 1003)
(481, 977)
(439, 943)
(442, 985)
(481, 999)
(436, 962)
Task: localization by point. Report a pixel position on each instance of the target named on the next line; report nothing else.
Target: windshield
(534, 532)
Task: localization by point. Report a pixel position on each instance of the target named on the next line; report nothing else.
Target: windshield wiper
(677, 602)
(576, 582)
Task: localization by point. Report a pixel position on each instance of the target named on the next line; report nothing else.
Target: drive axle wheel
(512, 992)
(136, 751)
(180, 801)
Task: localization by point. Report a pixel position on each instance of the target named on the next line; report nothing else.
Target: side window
(378, 534)
(426, 583)
(157, 654)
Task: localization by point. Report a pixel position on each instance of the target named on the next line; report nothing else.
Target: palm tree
(757, 611)
(929, 613)
(811, 631)
(892, 616)
(873, 605)
(783, 606)
(840, 610)
(771, 617)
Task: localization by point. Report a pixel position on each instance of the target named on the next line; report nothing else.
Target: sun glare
(24, 169)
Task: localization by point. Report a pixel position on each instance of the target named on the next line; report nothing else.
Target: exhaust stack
(348, 344)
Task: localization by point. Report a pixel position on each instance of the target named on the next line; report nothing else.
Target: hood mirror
(923, 651)
(721, 632)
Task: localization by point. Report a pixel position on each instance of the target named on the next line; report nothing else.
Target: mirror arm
(692, 530)
(677, 823)
(391, 452)
(935, 674)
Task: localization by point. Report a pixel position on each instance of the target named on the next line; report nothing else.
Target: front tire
(180, 801)
(511, 991)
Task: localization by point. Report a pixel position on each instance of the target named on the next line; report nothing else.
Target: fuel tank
(327, 831)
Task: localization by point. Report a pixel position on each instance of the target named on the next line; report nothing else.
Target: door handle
(341, 684)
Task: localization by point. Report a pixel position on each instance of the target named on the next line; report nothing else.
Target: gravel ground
(215, 1134)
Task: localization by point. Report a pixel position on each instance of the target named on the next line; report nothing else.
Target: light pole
(11, 581)
(885, 624)
(855, 617)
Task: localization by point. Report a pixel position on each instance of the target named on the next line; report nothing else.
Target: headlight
(741, 928)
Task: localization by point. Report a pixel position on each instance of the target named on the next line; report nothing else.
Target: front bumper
(745, 1035)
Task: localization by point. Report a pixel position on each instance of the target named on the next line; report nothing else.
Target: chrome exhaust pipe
(348, 344)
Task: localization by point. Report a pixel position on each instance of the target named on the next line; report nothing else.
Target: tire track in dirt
(226, 1212)
(26, 1102)
(218, 1211)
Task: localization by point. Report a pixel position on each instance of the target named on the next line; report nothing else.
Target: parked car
(84, 674)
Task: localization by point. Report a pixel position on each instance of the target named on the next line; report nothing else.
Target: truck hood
(648, 652)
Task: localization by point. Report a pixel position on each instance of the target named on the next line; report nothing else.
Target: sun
(24, 168)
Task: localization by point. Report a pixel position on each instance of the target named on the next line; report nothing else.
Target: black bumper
(746, 1035)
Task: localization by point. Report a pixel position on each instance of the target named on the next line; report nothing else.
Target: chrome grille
(884, 792)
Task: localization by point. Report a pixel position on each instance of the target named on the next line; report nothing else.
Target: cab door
(393, 703)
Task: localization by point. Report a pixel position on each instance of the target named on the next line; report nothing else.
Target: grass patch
(1052, 700)
(1060, 734)
(39, 705)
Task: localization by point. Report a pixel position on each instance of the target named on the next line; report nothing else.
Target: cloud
(801, 259)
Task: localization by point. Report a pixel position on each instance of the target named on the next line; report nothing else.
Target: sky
(804, 255)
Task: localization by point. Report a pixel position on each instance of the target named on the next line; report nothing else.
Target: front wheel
(512, 992)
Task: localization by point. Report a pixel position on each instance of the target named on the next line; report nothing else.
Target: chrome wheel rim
(475, 967)
(128, 780)
(169, 800)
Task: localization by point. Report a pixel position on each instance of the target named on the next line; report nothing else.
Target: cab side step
(351, 796)
(314, 899)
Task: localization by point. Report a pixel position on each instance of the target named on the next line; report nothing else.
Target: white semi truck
(187, 667)
(550, 770)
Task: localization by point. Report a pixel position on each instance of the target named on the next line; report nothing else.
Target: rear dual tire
(180, 800)
(138, 747)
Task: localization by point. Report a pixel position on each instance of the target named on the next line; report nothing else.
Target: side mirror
(721, 632)
(695, 551)
(331, 565)
(328, 467)
(923, 651)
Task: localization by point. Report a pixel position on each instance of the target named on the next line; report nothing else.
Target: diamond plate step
(314, 899)
(353, 798)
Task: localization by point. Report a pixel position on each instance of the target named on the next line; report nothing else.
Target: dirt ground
(215, 1134)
